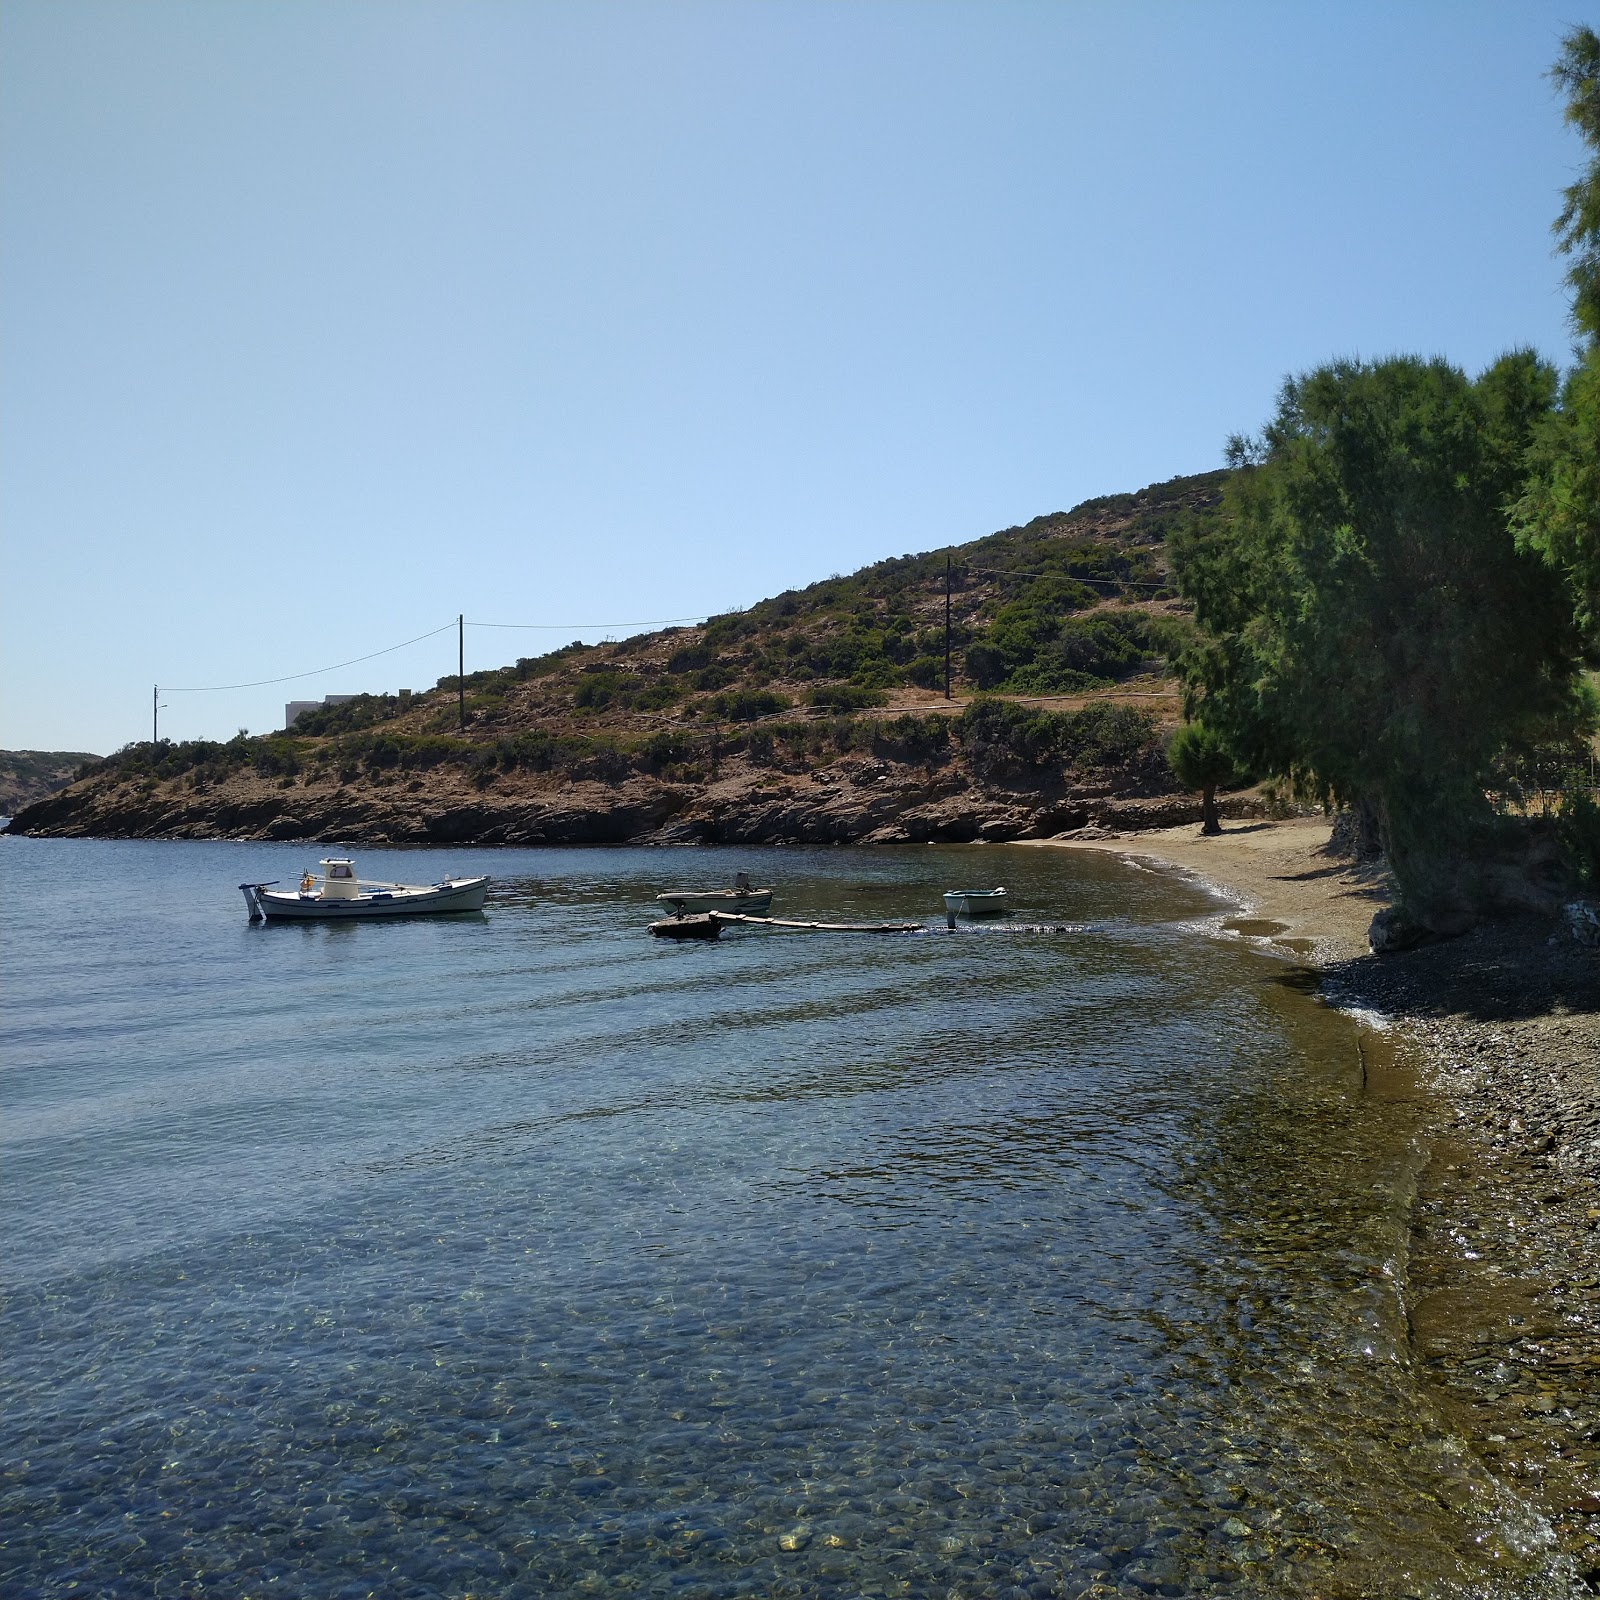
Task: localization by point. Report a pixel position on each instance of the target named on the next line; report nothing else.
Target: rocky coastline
(850, 801)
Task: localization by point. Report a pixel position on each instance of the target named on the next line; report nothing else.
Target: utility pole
(155, 714)
(461, 667)
(947, 627)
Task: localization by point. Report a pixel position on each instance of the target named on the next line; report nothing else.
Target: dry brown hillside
(819, 714)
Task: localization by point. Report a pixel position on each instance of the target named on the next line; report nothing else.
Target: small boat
(339, 893)
(700, 927)
(974, 903)
(741, 897)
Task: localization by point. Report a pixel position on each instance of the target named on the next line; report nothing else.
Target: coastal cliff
(852, 799)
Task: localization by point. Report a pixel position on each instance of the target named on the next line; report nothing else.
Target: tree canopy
(1369, 625)
(1200, 759)
(1558, 514)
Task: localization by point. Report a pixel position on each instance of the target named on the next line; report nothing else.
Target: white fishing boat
(339, 893)
(974, 902)
(741, 897)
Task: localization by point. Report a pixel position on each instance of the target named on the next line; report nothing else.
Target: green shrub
(657, 695)
(597, 690)
(1004, 739)
(552, 661)
(1579, 821)
(689, 658)
(912, 737)
(667, 749)
(746, 705)
(364, 711)
(845, 697)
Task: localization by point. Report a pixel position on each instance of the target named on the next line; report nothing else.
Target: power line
(554, 627)
(557, 627)
(261, 683)
(560, 627)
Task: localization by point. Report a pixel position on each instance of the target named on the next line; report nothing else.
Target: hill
(818, 715)
(29, 775)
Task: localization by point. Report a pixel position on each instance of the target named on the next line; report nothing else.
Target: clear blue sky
(322, 322)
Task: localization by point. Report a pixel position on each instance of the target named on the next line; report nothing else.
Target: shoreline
(1297, 896)
(1502, 1028)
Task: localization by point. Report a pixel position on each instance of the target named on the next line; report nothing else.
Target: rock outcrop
(848, 802)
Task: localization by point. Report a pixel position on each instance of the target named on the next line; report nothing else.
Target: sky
(323, 323)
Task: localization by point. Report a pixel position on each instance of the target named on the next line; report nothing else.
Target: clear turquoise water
(520, 1254)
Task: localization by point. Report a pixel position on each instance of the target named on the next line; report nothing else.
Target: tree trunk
(1208, 810)
(1369, 829)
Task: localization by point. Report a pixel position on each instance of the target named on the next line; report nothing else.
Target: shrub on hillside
(845, 697)
(1004, 739)
(746, 705)
(911, 737)
(364, 711)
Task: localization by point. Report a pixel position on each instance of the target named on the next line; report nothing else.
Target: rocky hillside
(816, 716)
(29, 775)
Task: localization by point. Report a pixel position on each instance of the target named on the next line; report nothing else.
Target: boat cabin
(339, 879)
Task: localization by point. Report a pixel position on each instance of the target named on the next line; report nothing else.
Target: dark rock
(1394, 930)
(1583, 919)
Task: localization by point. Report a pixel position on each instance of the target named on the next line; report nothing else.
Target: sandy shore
(1276, 872)
(1503, 1029)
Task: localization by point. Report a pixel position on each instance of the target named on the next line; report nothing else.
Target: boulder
(1583, 919)
(1393, 930)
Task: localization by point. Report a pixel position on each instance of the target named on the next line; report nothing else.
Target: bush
(666, 750)
(845, 697)
(912, 738)
(597, 690)
(657, 696)
(1038, 653)
(542, 666)
(1579, 821)
(364, 711)
(746, 705)
(1003, 739)
(689, 658)
(986, 665)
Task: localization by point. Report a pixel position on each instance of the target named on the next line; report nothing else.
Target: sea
(522, 1254)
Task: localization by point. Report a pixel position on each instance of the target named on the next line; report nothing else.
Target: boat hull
(696, 927)
(463, 894)
(683, 901)
(975, 902)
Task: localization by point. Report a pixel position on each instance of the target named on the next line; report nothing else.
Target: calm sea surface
(521, 1254)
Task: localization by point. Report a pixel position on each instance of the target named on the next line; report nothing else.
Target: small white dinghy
(339, 893)
(973, 903)
(741, 897)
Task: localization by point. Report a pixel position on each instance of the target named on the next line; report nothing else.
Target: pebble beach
(1501, 1029)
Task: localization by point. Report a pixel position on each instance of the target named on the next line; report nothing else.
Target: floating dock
(709, 925)
(818, 927)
